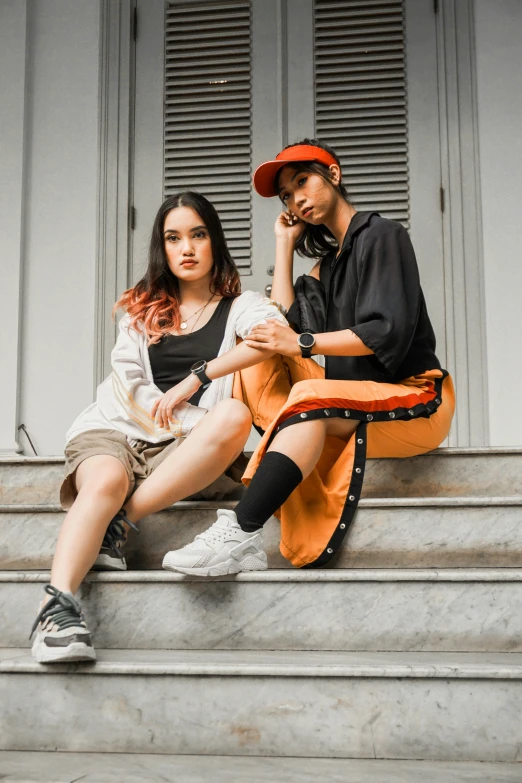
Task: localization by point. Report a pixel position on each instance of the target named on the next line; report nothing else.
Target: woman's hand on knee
(162, 408)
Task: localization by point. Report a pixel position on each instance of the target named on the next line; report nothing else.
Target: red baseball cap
(265, 175)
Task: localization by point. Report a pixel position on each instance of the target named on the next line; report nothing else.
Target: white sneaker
(222, 549)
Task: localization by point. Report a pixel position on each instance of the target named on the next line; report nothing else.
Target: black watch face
(306, 340)
(198, 366)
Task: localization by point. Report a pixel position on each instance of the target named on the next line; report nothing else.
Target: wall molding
(116, 105)
(13, 87)
(462, 222)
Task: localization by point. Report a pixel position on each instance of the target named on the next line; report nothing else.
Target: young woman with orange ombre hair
(164, 425)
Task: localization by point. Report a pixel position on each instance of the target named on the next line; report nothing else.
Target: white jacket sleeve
(259, 310)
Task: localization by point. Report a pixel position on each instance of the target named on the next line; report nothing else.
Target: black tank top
(172, 358)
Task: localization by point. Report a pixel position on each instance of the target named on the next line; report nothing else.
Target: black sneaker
(61, 632)
(111, 556)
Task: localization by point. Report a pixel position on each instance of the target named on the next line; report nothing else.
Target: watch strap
(201, 374)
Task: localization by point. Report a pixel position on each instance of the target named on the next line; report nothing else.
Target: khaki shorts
(139, 461)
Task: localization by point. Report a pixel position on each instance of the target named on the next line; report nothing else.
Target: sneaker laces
(116, 533)
(214, 534)
(63, 609)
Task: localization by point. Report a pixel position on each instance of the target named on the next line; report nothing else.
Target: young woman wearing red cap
(382, 393)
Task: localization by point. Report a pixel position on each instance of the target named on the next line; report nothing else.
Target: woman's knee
(107, 477)
(231, 418)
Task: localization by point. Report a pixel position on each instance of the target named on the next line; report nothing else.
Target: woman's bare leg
(102, 485)
(304, 442)
(202, 457)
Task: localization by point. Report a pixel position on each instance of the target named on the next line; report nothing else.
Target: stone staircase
(403, 662)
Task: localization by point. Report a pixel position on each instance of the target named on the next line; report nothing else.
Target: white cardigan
(125, 398)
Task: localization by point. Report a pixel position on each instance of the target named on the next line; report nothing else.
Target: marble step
(386, 533)
(42, 767)
(417, 706)
(457, 610)
(448, 472)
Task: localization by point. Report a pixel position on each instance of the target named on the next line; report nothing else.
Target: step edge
(21, 662)
(465, 501)
(285, 575)
(327, 762)
(450, 451)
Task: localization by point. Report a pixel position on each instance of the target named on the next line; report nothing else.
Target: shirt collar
(359, 221)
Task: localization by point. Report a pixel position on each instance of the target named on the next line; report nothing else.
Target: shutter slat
(397, 104)
(207, 183)
(360, 83)
(207, 112)
(211, 81)
(221, 100)
(345, 33)
(373, 176)
(233, 146)
(337, 74)
(365, 40)
(366, 6)
(390, 125)
(179, 162)
(198, 116)
(360, 99)
(372, 50)
(202, 136)
(183, 74)
(177, 8)
(171, 61)
(209, 54)
(226, 38)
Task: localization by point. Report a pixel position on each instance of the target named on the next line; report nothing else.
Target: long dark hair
(155, 299)
(317, 241)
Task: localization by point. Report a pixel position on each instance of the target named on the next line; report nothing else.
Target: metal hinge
(442, 200)
(132, 218)
(135, 24)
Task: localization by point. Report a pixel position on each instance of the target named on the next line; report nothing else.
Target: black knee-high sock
(276, 478)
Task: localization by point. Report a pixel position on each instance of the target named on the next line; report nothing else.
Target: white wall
(499, 76)
(56, 237)
(60, 218)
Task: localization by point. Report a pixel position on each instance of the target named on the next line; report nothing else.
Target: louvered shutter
(360, 98)
(208, 115)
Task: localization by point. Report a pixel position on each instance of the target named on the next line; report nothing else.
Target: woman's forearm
(239, 358)
(342, 343)
(283, 286)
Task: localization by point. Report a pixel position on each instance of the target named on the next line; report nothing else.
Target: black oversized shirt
(372, 288)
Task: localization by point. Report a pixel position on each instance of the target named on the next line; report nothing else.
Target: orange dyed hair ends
(154, 300)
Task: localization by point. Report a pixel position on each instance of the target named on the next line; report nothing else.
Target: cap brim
(265, 176)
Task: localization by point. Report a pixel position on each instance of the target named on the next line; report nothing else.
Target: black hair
(316, 241)
(225, 277)
(155, 299)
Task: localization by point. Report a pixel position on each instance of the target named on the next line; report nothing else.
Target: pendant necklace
(183, 325)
